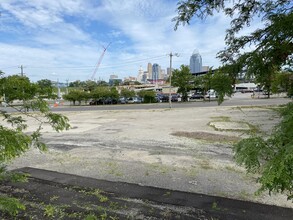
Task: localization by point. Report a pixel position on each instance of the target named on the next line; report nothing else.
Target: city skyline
(64, 39)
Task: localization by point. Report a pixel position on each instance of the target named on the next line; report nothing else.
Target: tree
(14, 141)
(127, 93)
(102, 83)
(222, 84)
(89, 85)
(149, 96)
(283, 82)
(76, 95)
(114, 94)
(183, 79)
(76, 84)
(17, 87)
(272, 157)
(273, 48)
(45, 89)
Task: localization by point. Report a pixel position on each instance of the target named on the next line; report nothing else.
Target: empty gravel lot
(187, 149)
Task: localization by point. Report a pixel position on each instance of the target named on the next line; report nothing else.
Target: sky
(64, 40)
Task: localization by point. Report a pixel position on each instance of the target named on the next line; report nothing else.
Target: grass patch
(206, 136)
(252, 129)
(221, 118)
(159, 167)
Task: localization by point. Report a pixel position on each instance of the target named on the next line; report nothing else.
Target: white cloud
(71, 33)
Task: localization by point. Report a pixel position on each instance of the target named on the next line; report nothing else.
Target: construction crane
(99, 61)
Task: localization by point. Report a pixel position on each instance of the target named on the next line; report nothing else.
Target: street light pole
(170, 78)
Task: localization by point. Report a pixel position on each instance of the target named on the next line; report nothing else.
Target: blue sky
(58, 39)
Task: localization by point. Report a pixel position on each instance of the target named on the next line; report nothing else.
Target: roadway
(236, 100)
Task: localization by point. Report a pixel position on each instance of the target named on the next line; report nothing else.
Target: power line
(125, 63)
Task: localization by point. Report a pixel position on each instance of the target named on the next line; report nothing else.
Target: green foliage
(271, 49)
(11, 205)
(283, 82)
(222, 84)
(91, 217)
(17, 87)
(89, 85)
(76, 95)
(148, 96)
(271, 157)
(76, 84)
(57, 121)
(114, 93)
(127, 93)
(14, 141)
(273, 43)
(184, 80)
(45, 89)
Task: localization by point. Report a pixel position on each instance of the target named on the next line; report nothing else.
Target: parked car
(197, 96)
(174, 98)
(135, 99)
(122, 100)
(93, 102)
(211, 94)
(165, 98)
(110, 101)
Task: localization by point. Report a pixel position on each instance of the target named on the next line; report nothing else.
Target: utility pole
(170, 77)
(21, 70)
(67, 85)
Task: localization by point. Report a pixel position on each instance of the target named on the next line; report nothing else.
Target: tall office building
(155, 72)
(195, 64)
(150, 72)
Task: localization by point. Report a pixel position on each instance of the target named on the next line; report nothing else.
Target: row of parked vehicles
(160, 97)
(121, 100)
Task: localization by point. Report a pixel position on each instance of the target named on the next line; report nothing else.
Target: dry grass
(207, 136)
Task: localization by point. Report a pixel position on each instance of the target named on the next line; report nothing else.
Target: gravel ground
(168, 148)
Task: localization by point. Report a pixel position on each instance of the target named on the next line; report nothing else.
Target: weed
(50, 211)
(91, 217)
(98, 194)
(215, 206)
(114, 206)
(11, 205)
(159, 167)
(113, 167)
(104, 216)
(168, 193)
(54, 198)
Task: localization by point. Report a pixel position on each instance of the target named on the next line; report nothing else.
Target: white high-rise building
(140, 74)
(195, 64)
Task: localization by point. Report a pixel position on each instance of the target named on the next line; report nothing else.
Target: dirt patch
(206, 136)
